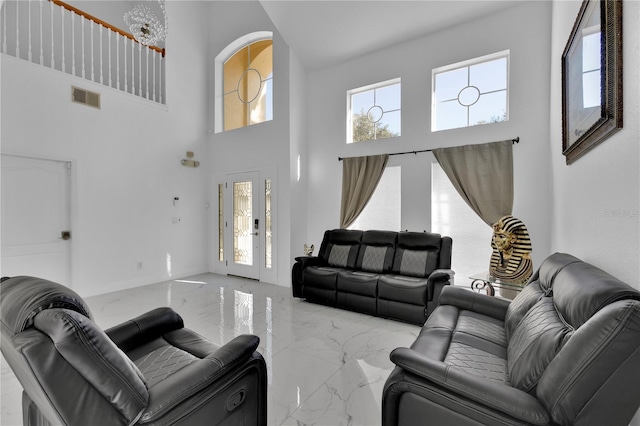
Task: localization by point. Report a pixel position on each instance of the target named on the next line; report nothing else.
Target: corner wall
(596, 199)
(261, 147)
(525, 30)
(126, 159)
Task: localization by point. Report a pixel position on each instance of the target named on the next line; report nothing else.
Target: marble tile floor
(325, 366)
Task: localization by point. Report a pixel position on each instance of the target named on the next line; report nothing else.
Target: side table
(485, 282)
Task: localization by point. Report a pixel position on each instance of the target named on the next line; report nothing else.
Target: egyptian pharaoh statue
(511, 258)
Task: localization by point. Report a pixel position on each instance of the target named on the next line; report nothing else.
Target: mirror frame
(610, 120)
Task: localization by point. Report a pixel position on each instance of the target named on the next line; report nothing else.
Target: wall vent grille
(85, 97)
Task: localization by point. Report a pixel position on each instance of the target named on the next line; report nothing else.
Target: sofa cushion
(534, 343)
(595, 287)
(403, 289)
(349, 243)
(356, 282)
(376, 251)
(321, 277)
(518, 308)
(417, 254)
(339, 256)
(373, 258)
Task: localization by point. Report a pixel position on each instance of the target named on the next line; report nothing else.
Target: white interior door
(242, 225)
(36, 218)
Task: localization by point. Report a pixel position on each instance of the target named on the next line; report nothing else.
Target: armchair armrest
(506, 399)
(195, 377)
(468, 300)
(145, 328)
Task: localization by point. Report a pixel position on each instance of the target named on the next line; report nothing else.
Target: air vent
(85, 97)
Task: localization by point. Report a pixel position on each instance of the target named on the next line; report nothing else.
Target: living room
(126, 157)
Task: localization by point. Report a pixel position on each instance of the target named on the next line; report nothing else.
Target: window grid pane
(375, 112)
(476, 92)
(248, 85)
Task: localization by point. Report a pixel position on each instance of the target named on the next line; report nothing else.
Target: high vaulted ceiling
(325, 32)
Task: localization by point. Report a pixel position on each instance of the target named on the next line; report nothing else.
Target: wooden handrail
(104, 24)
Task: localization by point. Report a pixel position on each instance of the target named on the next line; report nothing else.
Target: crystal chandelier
(145, 26)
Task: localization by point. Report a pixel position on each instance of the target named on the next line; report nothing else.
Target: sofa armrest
(440, 277)
(470, 301)
(306, 261)
(195, 377)
(145, 328)
(498, 396)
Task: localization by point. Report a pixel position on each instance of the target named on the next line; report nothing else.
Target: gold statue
(511, 259)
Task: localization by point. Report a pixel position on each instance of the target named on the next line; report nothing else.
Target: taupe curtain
(482, 175)
(360, 177)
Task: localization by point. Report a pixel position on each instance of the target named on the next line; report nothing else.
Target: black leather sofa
(149, 370)
(565, 351)
(397, 275)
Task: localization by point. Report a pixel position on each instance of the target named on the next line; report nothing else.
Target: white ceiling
(325, 32)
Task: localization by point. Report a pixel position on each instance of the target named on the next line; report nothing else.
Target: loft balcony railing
(59, 36)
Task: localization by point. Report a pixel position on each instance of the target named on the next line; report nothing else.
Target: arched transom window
(248, 85)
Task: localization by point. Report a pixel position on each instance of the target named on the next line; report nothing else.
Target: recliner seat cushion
(403, 289)
(355, 282)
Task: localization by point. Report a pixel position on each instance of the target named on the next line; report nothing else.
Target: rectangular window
(221, 222)
(451, 216)
(383, 209)
(374, 111)
(470, 93)
(268, 234)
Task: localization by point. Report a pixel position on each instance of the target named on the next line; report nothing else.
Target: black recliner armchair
(147, 371)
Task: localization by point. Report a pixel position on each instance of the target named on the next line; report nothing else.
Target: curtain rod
(515, 140)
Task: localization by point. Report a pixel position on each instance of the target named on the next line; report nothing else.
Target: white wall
(596, 199)
(126, 160)
(261, 147)
(525, 30)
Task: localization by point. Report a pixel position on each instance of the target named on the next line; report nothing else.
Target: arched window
(245, 94)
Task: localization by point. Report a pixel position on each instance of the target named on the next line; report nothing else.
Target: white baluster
(126, 71)
(64, 68)
(147, 74)
(162, 100)
(82, 46)
(17, 30)
(73, 42)
(41, 38)
(101, 58)
(117, 61)
(133, 67)
(154, 54)
(30, 55)
(109, 39)
(4, 29)
(53, 57)
(140, 70)
(92, 24)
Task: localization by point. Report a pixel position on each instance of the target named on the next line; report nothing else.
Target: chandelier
(145, 26)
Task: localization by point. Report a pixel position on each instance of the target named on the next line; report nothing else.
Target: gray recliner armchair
(565, 351)
(147, 371)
